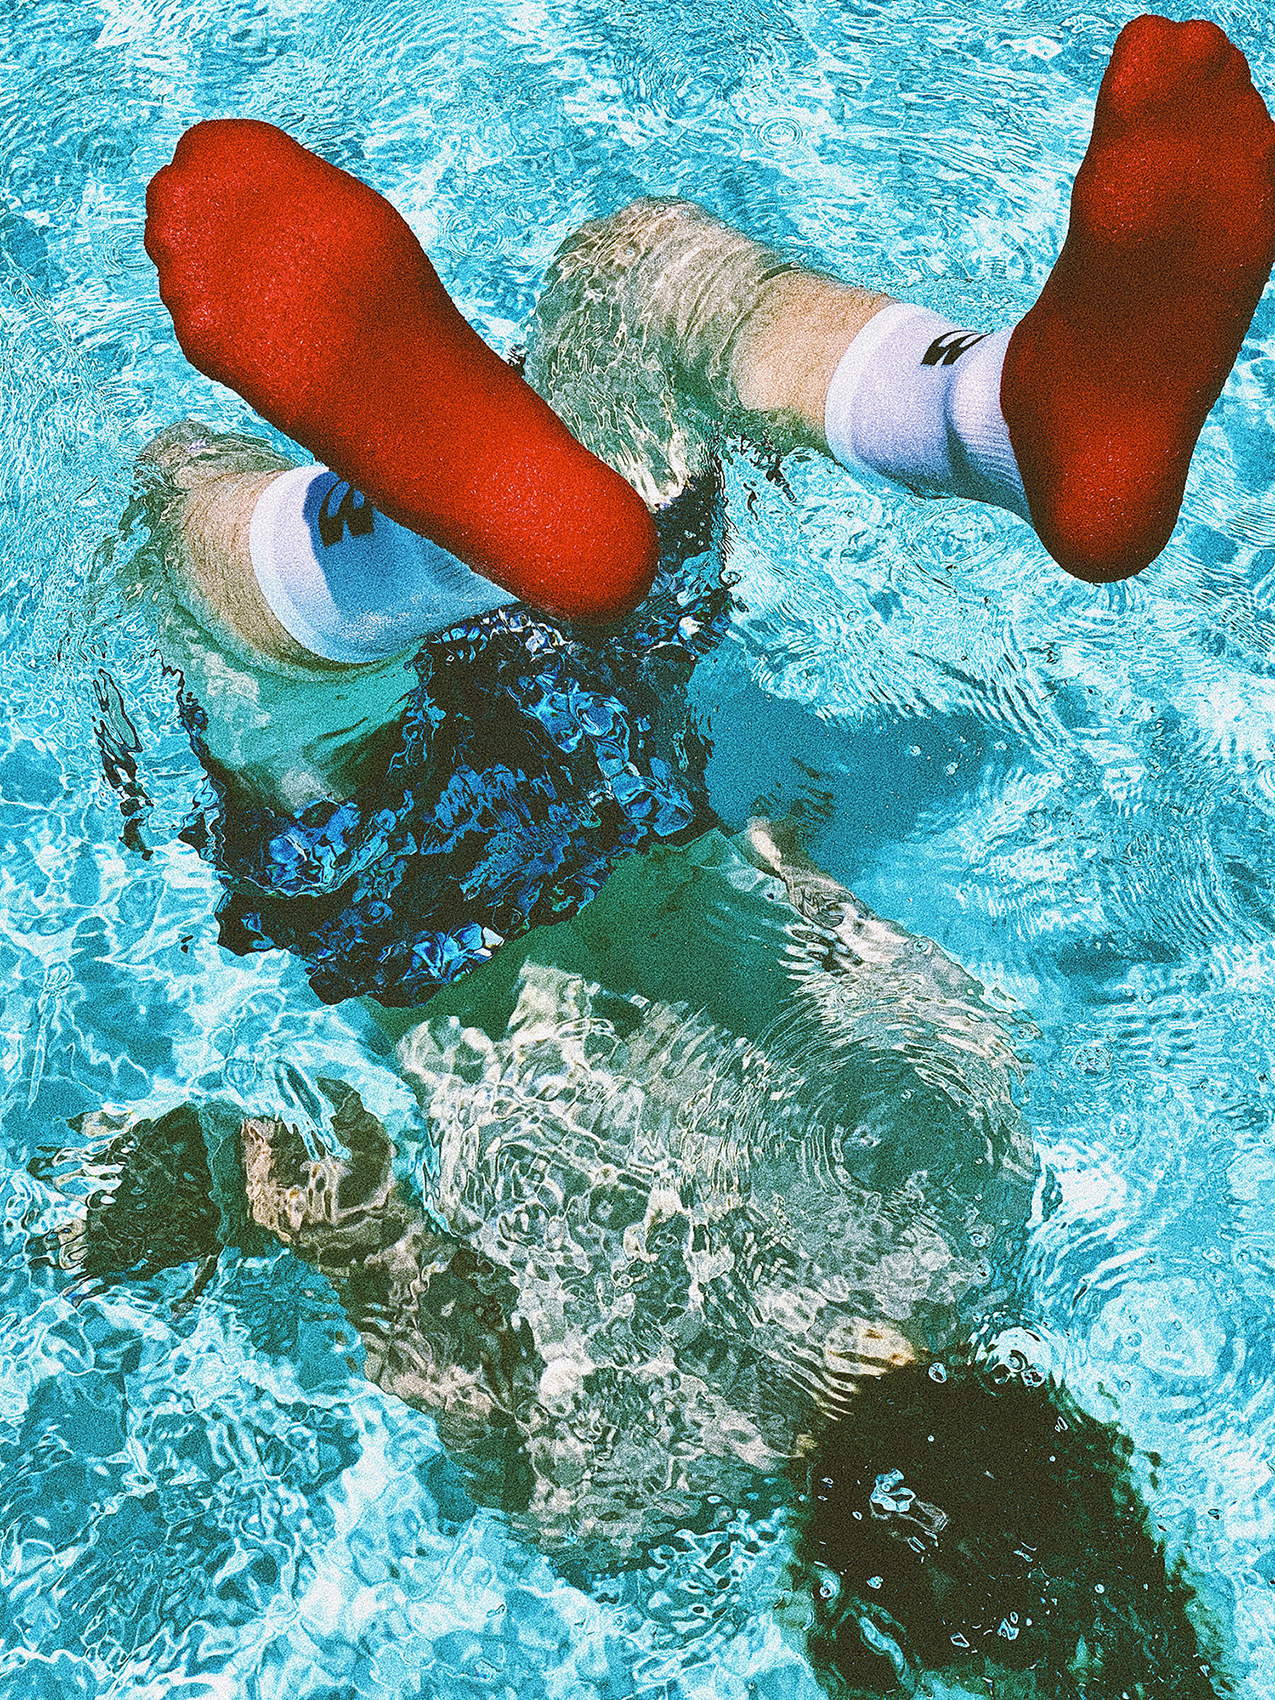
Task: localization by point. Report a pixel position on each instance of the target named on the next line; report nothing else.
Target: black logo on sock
(332, 526)
(947, 349)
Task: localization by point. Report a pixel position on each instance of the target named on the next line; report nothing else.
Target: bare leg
(215, 482)
(660, 321)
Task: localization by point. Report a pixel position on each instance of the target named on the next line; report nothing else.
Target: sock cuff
(846, 396)
(346, 582)
(915, 400)
(978, 425)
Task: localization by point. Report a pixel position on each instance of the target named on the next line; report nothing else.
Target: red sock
(305, 291)
(1108, 379)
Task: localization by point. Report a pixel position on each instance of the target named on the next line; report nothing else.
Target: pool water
(1071, 790)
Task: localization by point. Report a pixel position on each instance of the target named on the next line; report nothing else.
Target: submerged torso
(651, 1246)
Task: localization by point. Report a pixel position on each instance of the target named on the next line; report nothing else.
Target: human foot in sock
(306, 292)
(1108, 380)
(1083, 417)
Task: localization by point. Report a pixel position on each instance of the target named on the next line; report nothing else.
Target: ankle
(916, 401)
(756, 336)
(786, 352)
(212, 571)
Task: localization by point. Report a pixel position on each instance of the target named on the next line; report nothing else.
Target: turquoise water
(1070, 790)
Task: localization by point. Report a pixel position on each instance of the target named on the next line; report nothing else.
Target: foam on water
(1071, 790)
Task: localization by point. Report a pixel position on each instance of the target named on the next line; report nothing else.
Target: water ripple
(1086, 824)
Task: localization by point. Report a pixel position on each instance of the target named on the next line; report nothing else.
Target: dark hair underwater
(993, 1535)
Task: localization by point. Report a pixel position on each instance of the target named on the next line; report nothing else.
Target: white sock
(916, 401)
(346, 582)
